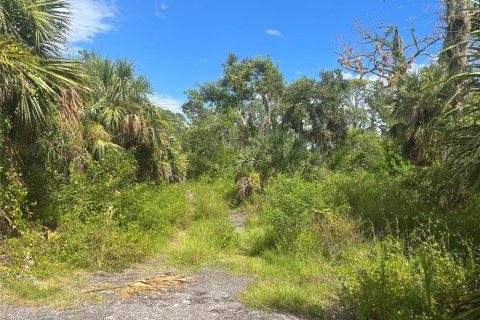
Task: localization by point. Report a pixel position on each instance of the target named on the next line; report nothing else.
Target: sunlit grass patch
(305, 299)
(204, 243)
(287, 282)
(58, 291)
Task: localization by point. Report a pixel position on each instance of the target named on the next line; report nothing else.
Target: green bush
(98, 242)
(331, 234)
(291, 207)
(399, 281)
(15, 212)
(369, 151)
(95, 187)
(154, 209)
(103, 218)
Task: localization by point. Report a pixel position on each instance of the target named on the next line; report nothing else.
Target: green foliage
(154, 209)
(96, 187)
(289, 215)
(416, 113)
(98, 242)
(14, 212)
(399, 281)
(33, 75)
(384, 231)
(208, 153)
(281, 151)
(212, 233)
(368, 151)
(380, 274)
(103, 219)
(365, 105)
(119, 114)
(385, 202)
(313, 109)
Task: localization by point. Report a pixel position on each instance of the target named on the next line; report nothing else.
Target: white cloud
(161, 10)
(72, 52)
(274, 32)
(167, 102)
(91, 17)
(350, 76)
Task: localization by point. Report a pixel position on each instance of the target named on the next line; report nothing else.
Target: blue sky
(178, 43)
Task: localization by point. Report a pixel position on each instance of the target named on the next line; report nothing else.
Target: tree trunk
(457, 32)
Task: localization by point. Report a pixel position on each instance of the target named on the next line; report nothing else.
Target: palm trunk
(457, 20)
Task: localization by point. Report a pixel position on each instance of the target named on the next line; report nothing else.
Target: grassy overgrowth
(301, 284)
(211, 234)
(304, 285)
(104, 226)
(312, 248)
(314, 251)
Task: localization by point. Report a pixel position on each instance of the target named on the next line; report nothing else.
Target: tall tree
(314, 109)
(457, 32)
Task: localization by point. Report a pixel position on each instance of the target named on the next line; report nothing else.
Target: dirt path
(238, 219)
(214, 295)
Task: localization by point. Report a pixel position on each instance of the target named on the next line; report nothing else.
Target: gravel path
(214, 295)
(238, 219)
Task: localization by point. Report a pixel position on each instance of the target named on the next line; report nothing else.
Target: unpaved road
(213, 295)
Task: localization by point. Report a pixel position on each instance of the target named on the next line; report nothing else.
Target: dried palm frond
(161, 281)
(132, 125)
(70, 107)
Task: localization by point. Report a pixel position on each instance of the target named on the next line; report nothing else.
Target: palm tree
(38, 89)
(33, 76)
(464, 108)
(280, 151)
(416, 112)
(119, 115)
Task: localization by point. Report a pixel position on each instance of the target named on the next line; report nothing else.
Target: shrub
(98, 242)
(366, 150)
(96, 187)
(104, 220)
(154, 209)
(405, 282)
(14, 212)
(331, 233)
(291, 206)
